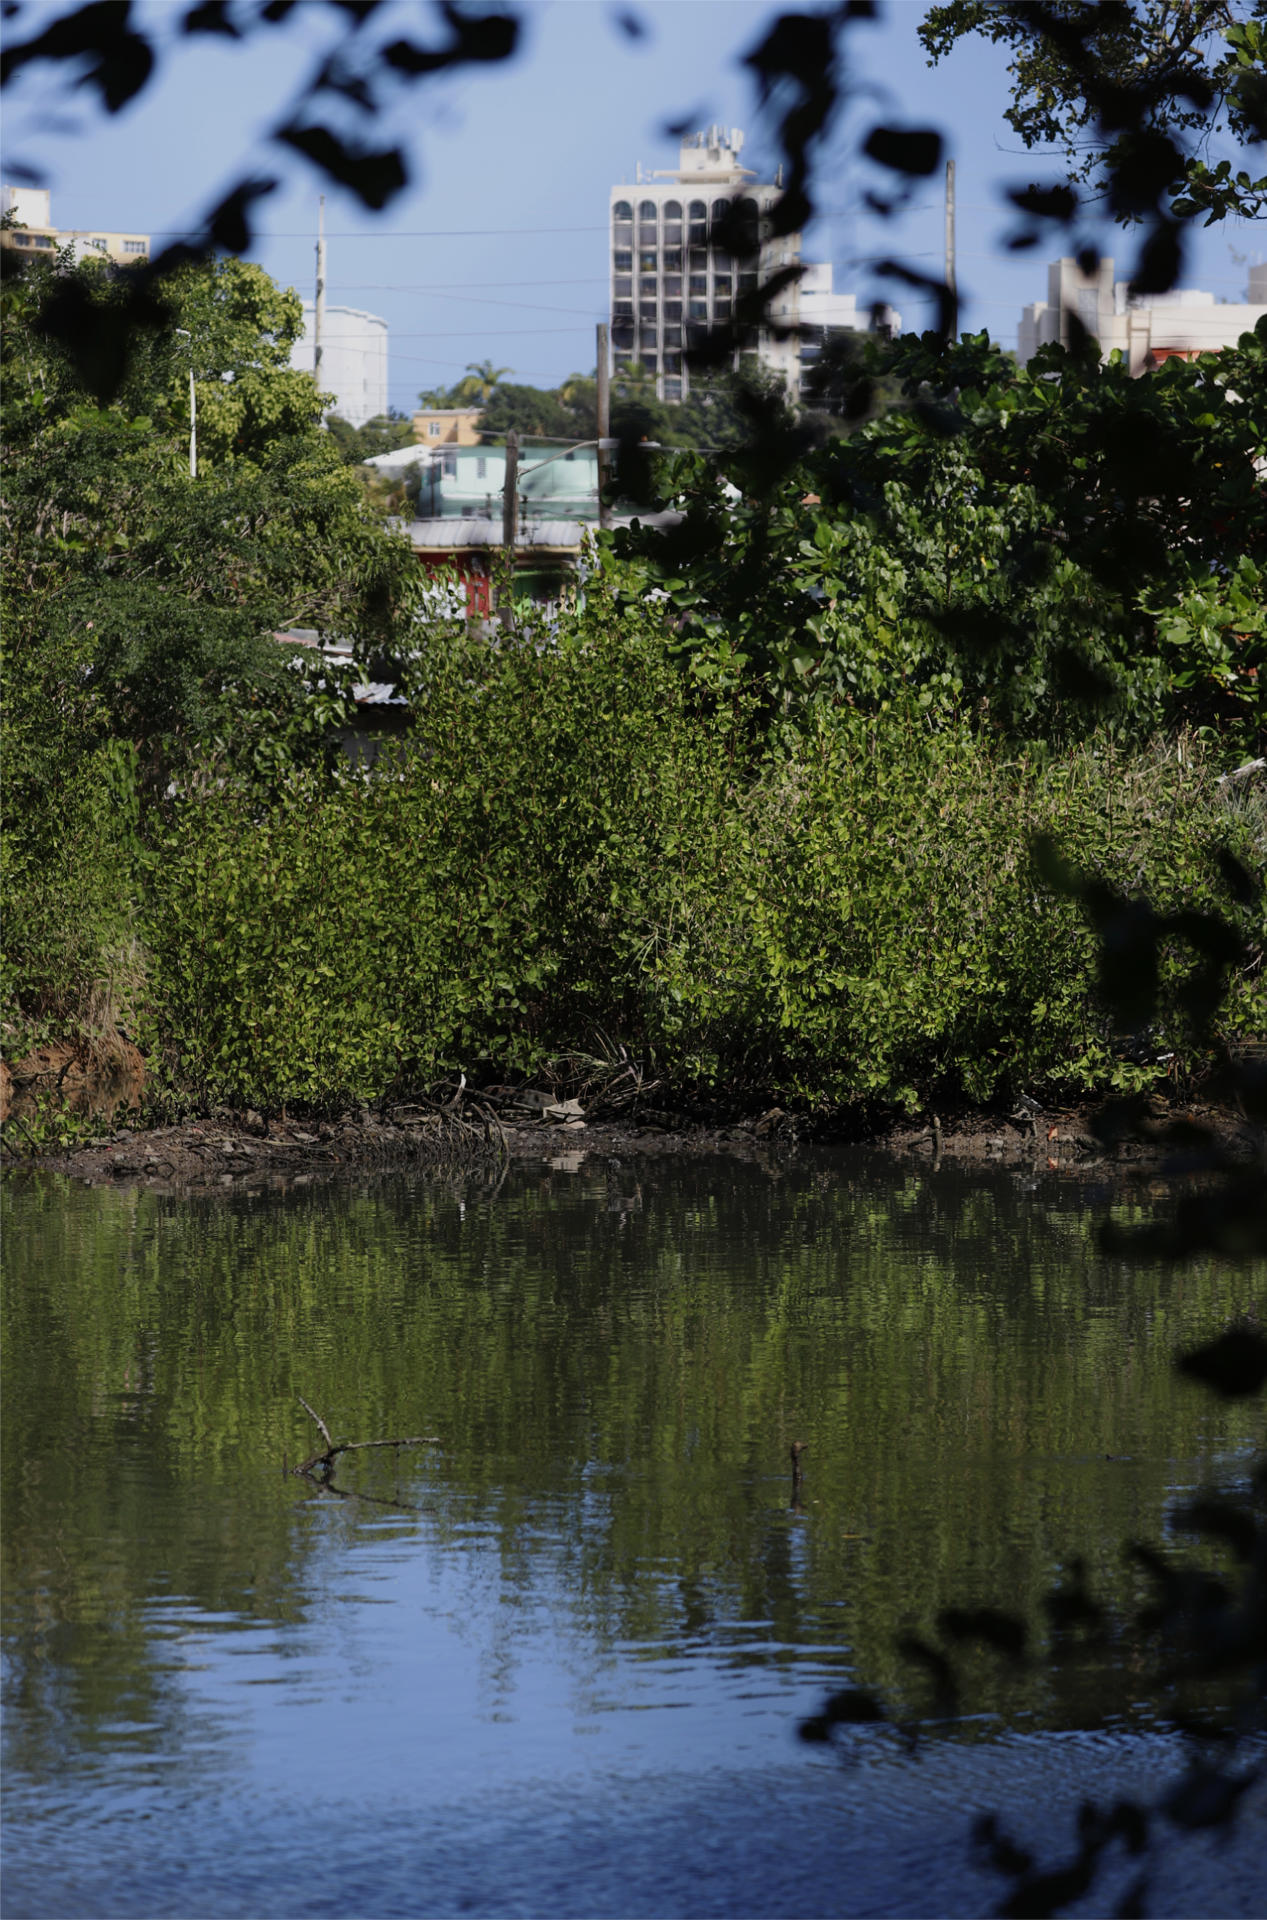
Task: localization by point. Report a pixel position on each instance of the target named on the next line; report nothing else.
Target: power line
(394, 233)
(442, 286)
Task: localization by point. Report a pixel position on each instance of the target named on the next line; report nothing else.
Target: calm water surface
(554, 1663)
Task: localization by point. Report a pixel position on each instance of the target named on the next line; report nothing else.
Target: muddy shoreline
(242, 1150)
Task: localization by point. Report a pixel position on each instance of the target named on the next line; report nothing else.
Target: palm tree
(480, 381)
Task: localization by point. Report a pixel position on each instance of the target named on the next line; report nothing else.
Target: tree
(481, 380)
(1048, 544)
(538, 412)
(1132, 93)
(100, 509)
(386, 433)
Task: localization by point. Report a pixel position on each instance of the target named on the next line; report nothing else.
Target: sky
(497, 249)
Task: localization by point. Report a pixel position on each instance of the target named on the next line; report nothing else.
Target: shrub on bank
(569, 853)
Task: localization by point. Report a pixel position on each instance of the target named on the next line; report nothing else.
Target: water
(555, 1663)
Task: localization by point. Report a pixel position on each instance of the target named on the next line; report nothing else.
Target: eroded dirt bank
(233, 1149)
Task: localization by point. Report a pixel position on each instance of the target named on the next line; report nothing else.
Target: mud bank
(235, 1149)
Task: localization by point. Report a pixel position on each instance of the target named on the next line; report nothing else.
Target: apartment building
(447, 426)
(1145, 328)
(31, 208)
(672, 279)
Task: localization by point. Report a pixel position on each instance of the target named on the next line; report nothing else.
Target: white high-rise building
(353, 361)
(671, 279)
(1145, 328)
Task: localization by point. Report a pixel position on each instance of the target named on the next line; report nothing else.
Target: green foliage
(1126, 87)
(384, 434)
(1047, 544)
(571, 846)
(140, 603)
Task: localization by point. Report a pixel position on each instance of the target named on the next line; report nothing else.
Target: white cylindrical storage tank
(353, 361)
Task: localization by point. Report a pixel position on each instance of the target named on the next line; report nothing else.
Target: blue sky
(497, 249)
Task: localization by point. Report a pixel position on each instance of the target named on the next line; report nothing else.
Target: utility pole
(510, 525)
(319, 315)
(952, 289)
(193, 408)
(604, 422)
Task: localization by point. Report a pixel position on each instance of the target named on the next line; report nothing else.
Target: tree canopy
(110, 541)
(1132, 93)
(1046, 545)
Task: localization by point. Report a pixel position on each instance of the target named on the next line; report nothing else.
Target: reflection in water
(615, 1581)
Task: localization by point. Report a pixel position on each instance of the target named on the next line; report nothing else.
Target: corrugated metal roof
(378, 693)
(444, 535)
(557, 535)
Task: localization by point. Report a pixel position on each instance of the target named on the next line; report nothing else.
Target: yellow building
(447, 426)
(35, 232)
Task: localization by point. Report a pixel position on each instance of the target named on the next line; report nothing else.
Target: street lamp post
(193, 408)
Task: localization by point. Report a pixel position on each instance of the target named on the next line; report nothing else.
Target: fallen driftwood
(322, 1461)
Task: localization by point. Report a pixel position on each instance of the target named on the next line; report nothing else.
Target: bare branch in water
(333, 1449)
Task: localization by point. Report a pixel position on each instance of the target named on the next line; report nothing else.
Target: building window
(623, 359)
(646, 334)
(747, 283)
(698, 310)
(721, 312)
(623, 288)
(673, 389)
(648, 260)
(135, 246)
(649, 361)
(721, 284)
(699, 259)
(699, 222)
(646, 312)
(622, 309)
(481, 467)
(672, 362)
(672, 286)
(647, 210)
(622, 260)
(42, 240)
(673, 309)
(673, 259)
(673, 233)
(622, 211)
(22, 239)
(622, 333)
(673, 335)
(673, 209)
(699, 283)
(433, 429)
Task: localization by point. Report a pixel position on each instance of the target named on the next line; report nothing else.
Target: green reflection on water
(616, 1361)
